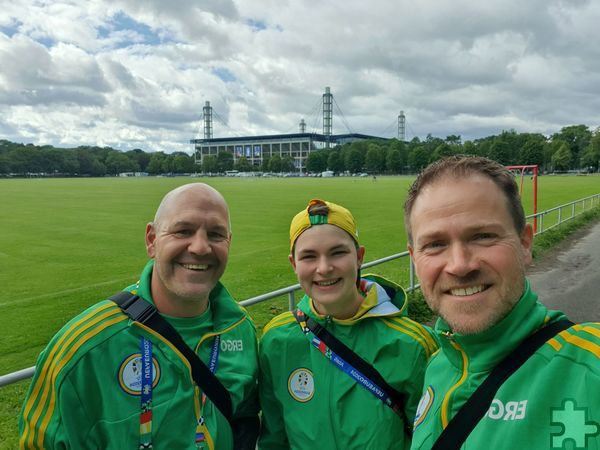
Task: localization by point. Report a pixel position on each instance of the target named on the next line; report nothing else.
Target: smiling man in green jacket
(108, 382)
(470, 245)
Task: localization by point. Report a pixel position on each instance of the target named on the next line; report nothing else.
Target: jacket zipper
(446, 402)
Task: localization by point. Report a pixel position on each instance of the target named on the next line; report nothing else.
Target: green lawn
(66, 243)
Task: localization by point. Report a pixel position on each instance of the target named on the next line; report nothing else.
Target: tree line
(575, 147)
(24, 159)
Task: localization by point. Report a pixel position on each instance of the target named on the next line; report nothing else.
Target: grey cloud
(33, 74)
(454, 66)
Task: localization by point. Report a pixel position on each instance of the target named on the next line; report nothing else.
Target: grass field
(66, 243)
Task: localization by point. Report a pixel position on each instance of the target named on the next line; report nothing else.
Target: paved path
(568, 277)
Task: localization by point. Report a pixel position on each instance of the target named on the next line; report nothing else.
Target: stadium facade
(258, 148)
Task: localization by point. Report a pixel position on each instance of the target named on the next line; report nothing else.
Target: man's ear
(527, 243)
(150, 238)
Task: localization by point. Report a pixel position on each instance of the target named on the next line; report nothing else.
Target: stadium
(297, 146)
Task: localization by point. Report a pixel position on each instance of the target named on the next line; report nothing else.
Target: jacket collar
(225, 310)
(486, 349)
(382, 298)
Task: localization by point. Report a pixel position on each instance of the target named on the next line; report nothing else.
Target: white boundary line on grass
(66, 291)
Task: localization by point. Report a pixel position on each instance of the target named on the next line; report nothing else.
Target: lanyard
(212, 365)
(339, 362)
(146, 394)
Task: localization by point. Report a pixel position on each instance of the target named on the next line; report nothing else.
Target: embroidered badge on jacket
(301, 385)
(424, 405)
(130, 374)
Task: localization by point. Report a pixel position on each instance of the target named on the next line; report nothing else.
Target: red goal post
(534, 169)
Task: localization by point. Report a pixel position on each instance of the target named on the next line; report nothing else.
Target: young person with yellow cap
(344, 370)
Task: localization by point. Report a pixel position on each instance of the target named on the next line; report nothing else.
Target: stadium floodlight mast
(534, 169)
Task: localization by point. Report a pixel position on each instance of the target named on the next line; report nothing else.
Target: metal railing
(558, 215)
(564, 213)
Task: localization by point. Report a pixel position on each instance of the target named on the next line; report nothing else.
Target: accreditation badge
(301, 385)
(130, 374)
(424, 406)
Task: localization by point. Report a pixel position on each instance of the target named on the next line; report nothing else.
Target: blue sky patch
(46, 41)
(12, 29)
(256, 25)
(138, 32)
(224, 74)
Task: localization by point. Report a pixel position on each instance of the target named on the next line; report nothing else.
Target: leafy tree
(418, 158)
(4, 164)
(591, 155)
(500, 152)
(69, 163)
(98, 168)
(354, 160)
(431, 143)
(168, 164)
(441, 151)
(275, 164)
(243, 165)
(210, 164)
(51, 160)
(577, 138)
(561, 160)
(453, 139)
(183, 163)
(375, 159)
(334, 162)
(25, 159)
(393, 161)
(287, 164)
(116, 162)
(402, 149)
(225, 161)
(483, 146)
(140, 157)
(469, 148)
(155, 165)
(533, 152)
(316, 162)
(265, 163)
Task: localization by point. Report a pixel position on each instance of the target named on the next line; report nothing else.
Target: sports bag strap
(348, 355)
(469, 415)
(142, 311)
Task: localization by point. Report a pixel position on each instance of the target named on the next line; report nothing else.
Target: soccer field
(66, 243)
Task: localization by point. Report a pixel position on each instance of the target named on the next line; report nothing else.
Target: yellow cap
(337, 215)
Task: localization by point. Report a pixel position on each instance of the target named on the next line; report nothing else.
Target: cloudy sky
(135, 74)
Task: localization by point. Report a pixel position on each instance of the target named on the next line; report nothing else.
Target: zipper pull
(448, 335)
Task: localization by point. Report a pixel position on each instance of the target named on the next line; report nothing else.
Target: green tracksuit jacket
(85, 393)
(309, 403)
(551, 402)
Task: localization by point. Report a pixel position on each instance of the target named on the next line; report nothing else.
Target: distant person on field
(470, 244)
(313, 396)
(107, 382)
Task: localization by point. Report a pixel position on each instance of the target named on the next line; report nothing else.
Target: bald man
(106, 381)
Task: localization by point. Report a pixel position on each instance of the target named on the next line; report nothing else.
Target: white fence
(546, 220)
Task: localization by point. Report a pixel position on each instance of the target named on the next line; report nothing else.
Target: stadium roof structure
(334, 138)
